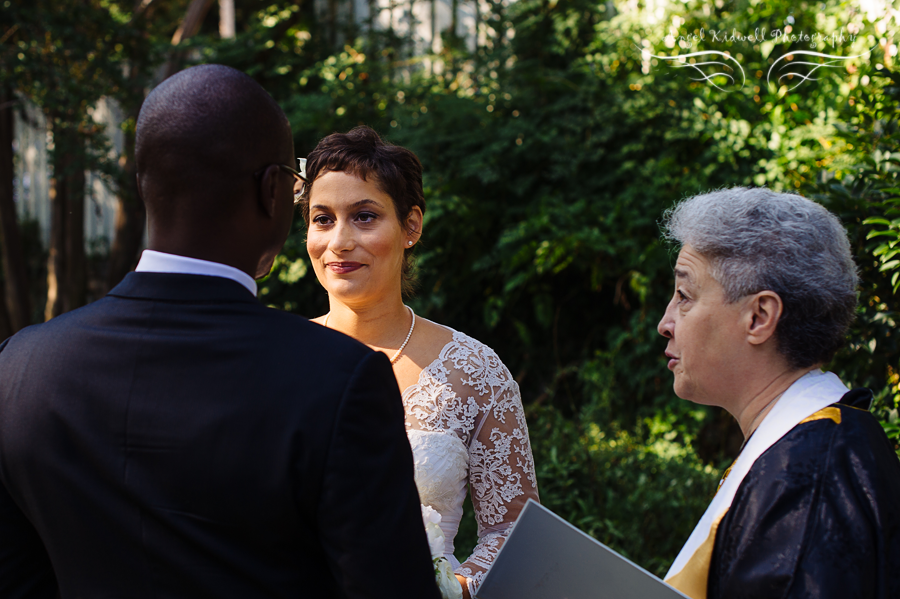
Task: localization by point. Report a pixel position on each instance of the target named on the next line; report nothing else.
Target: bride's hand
(465, 586)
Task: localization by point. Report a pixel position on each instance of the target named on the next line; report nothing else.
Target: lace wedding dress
(465, 423)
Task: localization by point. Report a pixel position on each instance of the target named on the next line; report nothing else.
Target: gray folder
(545, 557)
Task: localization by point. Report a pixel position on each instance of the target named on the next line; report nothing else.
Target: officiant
(765, 290)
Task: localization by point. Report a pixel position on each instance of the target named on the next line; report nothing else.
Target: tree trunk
(66, 281)
(454, 15)
(55, 263)
(453, 37)
(193, 19)
(189, 27)
(477, 29)
(17, 303)
(226, 19)
(73, 225)
(434, 33)
(5, 326)
(130, 219)
(332, 25)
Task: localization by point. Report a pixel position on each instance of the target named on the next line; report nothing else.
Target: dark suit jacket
(177, 439)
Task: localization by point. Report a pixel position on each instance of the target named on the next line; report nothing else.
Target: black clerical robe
(817, 515)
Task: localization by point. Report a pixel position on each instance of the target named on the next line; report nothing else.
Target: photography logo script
(802, 64)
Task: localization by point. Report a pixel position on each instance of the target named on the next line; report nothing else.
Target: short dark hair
(362, 153)
(202, 130)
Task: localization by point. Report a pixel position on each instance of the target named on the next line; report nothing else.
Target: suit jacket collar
(181, 288)
(153, 261)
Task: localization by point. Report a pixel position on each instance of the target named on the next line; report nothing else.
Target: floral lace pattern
(468, 393)
(483, 557)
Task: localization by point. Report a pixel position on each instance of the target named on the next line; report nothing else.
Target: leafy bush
(549, 157)
(864, 192)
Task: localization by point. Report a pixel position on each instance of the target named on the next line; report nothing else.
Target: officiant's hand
(465, 586)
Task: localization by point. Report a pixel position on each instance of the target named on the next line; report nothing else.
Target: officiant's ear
(413, 226)
(268, 190)
(762, 312)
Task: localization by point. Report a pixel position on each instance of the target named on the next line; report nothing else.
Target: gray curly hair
(757, 239)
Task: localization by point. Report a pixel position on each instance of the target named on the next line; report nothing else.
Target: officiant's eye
(681, 296)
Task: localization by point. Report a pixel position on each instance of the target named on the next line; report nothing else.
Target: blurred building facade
(33, 140)
(423, 27)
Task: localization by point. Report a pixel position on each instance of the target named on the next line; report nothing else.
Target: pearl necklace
(412, 327)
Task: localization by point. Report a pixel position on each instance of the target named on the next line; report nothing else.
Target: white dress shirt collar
(153, 261)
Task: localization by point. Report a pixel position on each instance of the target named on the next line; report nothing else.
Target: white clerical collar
(153, 261)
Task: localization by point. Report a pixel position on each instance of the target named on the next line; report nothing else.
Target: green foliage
(887, 251)
(549, 160)
(641, 494)
(864, 193)
(65, 65)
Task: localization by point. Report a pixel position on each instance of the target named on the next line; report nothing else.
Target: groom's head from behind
(208, 147)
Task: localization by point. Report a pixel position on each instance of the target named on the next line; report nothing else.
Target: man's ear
(268, 190)
(414, 225)
(764, 309)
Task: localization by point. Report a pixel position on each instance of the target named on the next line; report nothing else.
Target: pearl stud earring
(409, 243)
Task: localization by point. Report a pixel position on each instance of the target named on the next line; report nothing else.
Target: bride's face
(354, 239)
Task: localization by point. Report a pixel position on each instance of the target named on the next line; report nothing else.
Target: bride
(363, 207)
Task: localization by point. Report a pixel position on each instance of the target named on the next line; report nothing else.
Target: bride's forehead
(343, 192)
(342, 186)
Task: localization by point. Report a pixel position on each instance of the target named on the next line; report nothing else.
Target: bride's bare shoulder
(425, 345)
(434, 336)
(319, 319)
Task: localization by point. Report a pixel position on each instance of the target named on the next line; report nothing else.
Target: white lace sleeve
(501, 467)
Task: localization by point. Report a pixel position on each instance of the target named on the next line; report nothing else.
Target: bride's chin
(357, 293)
(349, 295)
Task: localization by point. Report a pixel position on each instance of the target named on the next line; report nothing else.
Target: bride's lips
(343, 268)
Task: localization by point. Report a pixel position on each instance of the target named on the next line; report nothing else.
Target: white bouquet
(443, 573)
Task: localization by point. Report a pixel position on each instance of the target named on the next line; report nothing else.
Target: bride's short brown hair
(362, 153)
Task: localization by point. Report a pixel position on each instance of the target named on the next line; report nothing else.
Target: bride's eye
(322, 220)
(366, 217)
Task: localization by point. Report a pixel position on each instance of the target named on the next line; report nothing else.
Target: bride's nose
(343, 238)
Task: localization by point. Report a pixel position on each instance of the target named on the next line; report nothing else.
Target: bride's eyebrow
(364, 202)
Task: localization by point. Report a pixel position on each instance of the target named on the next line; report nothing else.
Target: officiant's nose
(666, 326)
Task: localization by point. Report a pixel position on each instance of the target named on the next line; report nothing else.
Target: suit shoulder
(295, 330)
(55, 326)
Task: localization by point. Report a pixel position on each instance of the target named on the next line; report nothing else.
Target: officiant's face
(704, 332)
(354, 239)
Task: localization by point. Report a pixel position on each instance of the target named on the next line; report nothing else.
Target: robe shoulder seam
(832, 413)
